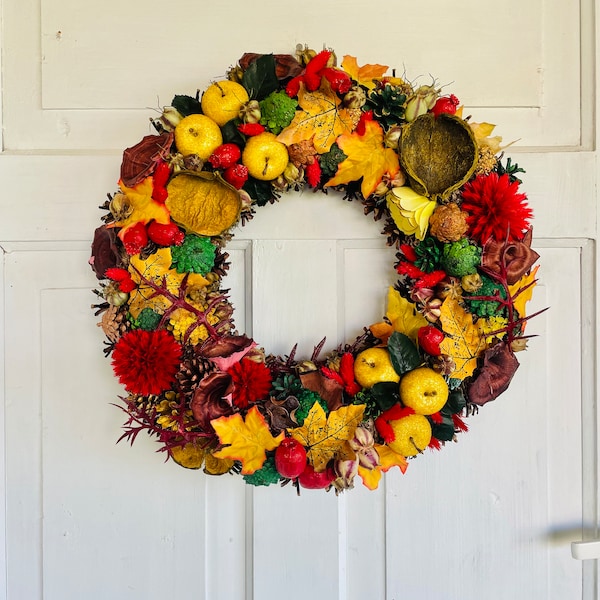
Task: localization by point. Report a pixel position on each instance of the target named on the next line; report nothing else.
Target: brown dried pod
(225, 346)
(331, 391)
(448, 223)
(280, 413)
(516, 257)
(285, 64)
(105, 251)
(499, 366)
(139, 160)
(211, 400)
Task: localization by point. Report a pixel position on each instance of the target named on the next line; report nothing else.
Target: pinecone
(221, 265)
(387, 102)
(375, 205)
(192, 370)
(113, 323)
(148, 250)
(394, 236)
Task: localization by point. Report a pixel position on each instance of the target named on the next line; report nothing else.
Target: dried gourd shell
(189, 456)
(202, 203)
(439, 154)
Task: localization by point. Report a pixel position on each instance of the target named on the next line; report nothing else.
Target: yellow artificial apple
(265, 157)
(412, 435)
(223, 100)
(197, 134)
(374, 365)
(424, 390)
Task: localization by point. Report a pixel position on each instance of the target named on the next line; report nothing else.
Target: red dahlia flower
(251, 382)
(496, 209)
(146, 362)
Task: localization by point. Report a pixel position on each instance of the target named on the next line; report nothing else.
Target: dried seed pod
(139, 160)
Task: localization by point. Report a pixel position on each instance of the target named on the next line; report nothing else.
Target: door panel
(489, 517)
(474, 520)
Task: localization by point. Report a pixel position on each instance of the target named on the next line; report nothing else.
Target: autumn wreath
(452, 209)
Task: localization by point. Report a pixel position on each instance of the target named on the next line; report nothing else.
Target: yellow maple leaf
(483, 132)
(367, 157)
(464, 340)
(157, 269)
(365, 75)
(387, 459)
(324, 436)
(520, 299)
(145, 209)
(401, 315)
(320, 120)
(247, 440)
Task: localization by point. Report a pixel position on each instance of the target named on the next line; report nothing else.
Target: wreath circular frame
(451, 207)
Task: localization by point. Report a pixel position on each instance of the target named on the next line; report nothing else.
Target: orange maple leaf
(364, 75)
(145, 208)
(247, 440)
(464, 340)
(367, 157)
(321, 119)
(324, 436)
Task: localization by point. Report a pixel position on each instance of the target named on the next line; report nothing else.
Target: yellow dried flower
(490, 325)
(182, 320)
(486, 162)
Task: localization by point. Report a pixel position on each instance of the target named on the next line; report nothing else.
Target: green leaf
(260, 191)
(403, 352)
(456, 402)
(186, 105)
(378, 398)
(231, 134)
(385, 394)
(260, 78)
(443, 431)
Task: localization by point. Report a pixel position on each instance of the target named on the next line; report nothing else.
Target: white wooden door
(489, 517)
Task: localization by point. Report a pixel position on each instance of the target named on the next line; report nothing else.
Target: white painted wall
(490, 517)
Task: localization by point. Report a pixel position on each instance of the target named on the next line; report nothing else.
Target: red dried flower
(146, 362)
(251, 381)
(251, 129)
(435, 444)
(496, 209)
(345, 377)
(382, 422)
(313, 173)
(430, 280)
(361, 127)
(409, 252)
(437, 418)
(459, 423)
(122, 277)
(406, 268)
